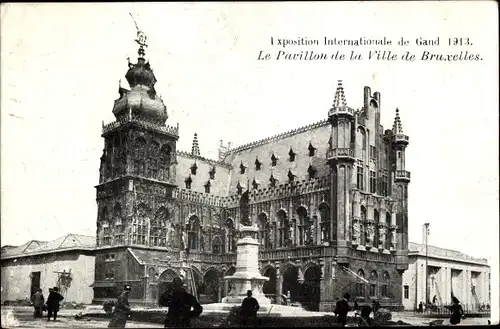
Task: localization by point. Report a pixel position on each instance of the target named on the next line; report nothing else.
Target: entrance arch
(269, 287)
(165, 281)
(209, 288)
(311, 288)
(291, 286)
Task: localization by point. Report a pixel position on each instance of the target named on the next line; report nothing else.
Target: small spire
(195, 150)
(397, 127)
(339, 99)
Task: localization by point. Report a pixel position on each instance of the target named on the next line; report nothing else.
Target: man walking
(38, 301)
(249, 308)
(341, 310)
(182, 306)
(122, 310)
(53, 303)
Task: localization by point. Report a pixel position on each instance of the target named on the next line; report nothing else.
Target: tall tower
(401, 180)
(137, 177)
(340, 157)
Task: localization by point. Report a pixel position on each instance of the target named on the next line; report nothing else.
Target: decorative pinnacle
(195, 150)
(397, 127)
(141, 39)
(339, 99)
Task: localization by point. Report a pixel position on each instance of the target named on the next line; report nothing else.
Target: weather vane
(141, 36)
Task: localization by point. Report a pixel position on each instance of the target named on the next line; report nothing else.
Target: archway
(291, 286)
(209, 288)
(165, 281)
(311, 288)
(269, 288)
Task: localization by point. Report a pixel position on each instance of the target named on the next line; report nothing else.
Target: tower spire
(195, 150)
(339, 99)
(397, 127)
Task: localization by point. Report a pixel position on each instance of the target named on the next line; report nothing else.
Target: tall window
(385, 285)
(274, 160)
(359, 178)
(283, 235)
(194, 167)
(373, 151)
(324, 215)
(360, 285)
(158, 231)
(406, 291)
(231, 245)
(216, 246)
(106, 229)
(139, 156)
(139, 226)
(194, 232)
(264, 240)
(154, 153)
(165, 158)
(373, 283)
(383, 185)
(117, 218)
(373, 182)
(304, 229)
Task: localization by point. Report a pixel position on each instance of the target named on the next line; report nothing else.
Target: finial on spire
(339, 99)
(141, 39)
(397, 127)
(195, 150)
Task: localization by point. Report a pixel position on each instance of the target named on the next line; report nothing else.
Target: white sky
(61, 65)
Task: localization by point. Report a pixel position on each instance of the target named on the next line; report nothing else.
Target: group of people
(182, 307)
(51, 305)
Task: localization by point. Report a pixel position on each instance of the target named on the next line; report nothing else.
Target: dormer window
(274, 160)
(257, 164)
(291, 176)
(194, 167)
(312, 150)
(311, 171)
(273, 181)
(212, 173)
(207, 187)
(239, 188)
(242, 168)
(255, 185)
(188, 182)
(292, 155)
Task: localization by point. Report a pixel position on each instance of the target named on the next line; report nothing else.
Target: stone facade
(67, 263)
(448, 272)
(327, 197)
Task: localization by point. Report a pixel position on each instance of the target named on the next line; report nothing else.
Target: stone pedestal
(247, 275)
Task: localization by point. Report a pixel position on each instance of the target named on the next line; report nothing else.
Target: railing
(401, 138)
(340, 153)
(341, 110)
(298, 252)
(165, 129)
(403, 174)
(203, 256)
(445, 310)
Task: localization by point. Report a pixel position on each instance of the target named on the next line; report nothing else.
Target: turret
(195, 149)
(399, 143)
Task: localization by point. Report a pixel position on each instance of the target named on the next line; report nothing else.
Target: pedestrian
(457, 313)
(341, 310)
(249, 308)
(375, 306)
(182, 306)
(53, 303)
(420, 307)
(38, 301)
(121, 311)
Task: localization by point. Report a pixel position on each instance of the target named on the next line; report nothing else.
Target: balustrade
(371, 256)
(401, 138)
(402, 175)
(340, 152)
(341, 110)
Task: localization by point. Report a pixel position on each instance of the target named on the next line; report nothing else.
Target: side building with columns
(449, 272)
(329, 198)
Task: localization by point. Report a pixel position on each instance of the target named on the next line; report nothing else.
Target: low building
(67, 263)
(448, 272)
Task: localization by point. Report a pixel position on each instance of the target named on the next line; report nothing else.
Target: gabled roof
(34, 247)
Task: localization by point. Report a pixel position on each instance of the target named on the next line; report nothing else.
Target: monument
(247, 275)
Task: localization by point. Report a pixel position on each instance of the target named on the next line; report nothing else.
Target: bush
(381, 317)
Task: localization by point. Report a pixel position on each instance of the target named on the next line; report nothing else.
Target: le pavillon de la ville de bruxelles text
(458, 51)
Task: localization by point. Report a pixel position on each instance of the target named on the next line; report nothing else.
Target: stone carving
(382, 237)
(393, 239)
(356, 231)
(370, 234)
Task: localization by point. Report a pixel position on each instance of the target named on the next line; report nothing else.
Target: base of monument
(237, 300)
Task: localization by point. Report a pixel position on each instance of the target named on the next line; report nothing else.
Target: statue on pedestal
(356, 231)
(382, 237)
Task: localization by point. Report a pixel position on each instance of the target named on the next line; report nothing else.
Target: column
(279, 283)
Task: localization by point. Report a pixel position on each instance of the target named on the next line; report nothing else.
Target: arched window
(363, 222)
(361, 143)
(165, 159)
(139, 156)
(360, 285)
(216, 246)
(119, 231)
(106, 229)
(139, 226)
(154, 154)
(385, 285)
(284, 227)
(324, 214)
(158, 230)
(231, 235)
(373, 283)
(194, 232)
(263, 223)
(304, 227)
